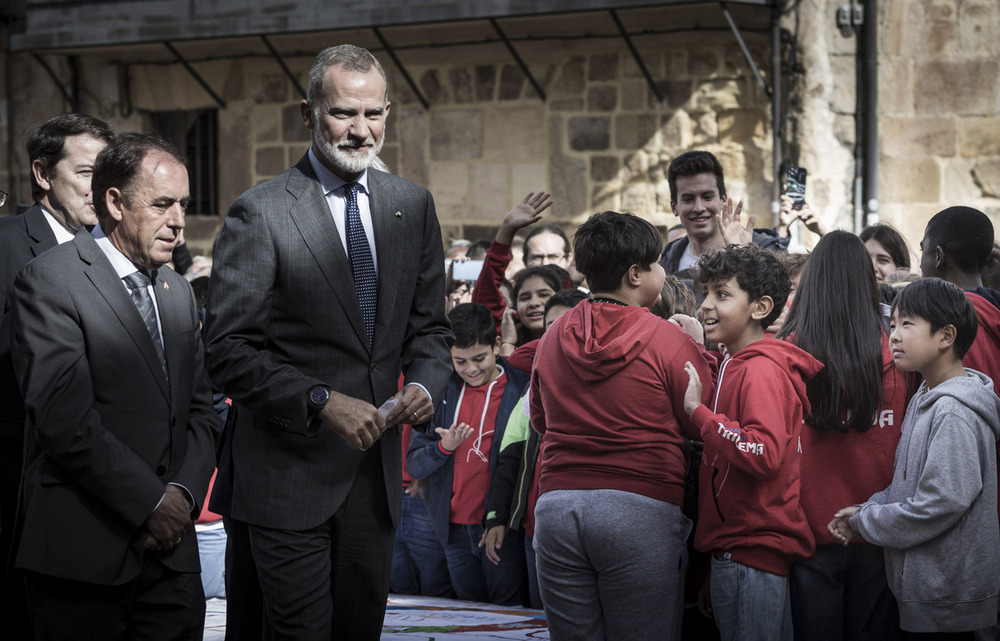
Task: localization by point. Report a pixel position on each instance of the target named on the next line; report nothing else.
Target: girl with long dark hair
(849, 443)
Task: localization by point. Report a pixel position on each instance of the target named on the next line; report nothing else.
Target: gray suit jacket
(106, 429)
(283, 316)
(21, 239)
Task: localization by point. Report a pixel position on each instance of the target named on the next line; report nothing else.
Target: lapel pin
(398, 215)
(166, 287)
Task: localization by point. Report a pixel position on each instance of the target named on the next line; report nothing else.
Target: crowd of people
(708, 439)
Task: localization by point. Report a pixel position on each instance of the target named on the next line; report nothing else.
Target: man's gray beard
(348, 162)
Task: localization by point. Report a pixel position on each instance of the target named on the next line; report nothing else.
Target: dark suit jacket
(21, 239)
(283, 316)
(105, 429)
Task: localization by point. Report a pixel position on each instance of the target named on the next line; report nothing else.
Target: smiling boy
(938, 517)
(459, 461)
(749, 518)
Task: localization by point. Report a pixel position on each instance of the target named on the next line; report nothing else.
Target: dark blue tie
(137, 283)
(362, 265)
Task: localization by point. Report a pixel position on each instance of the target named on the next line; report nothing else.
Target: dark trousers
(14, 624)
(332, 581)
(474, 576)
(160, 604)
(841, 593)
(245, 619)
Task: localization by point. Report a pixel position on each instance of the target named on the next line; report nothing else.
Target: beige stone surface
(456, 134)
(911, 180)
(293, 128)
(413, 144)
(514, 132)
(979, 136)
(269, 87)
(236, 171)
(602, 98)
(919, 135)
(895, 86)
(977, 27)
(962, 87)
(489, 191)
(959, 183)
(266, 122)
(634, 131)
(740, 126)
(525, 178)
(987, 177)
(269, 162)
(449, 184)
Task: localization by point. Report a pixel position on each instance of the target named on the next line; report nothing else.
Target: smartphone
(795, 186)
(466, 269)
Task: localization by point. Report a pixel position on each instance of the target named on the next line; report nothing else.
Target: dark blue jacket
(425, 460)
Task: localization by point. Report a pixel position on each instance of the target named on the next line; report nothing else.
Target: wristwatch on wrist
(318, 396)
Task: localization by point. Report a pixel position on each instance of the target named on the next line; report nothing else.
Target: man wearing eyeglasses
(62, 153)
(549, 245)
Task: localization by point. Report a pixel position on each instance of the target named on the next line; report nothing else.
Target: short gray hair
(351, 58)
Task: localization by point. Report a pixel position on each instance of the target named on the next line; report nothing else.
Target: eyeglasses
(3, 197)
(543, 259)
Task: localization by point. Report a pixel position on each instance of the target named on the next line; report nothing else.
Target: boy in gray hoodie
(937, 520)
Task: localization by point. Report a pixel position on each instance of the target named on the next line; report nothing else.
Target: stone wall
(600, 139)
(939, 109)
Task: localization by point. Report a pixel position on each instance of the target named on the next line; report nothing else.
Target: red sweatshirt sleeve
(756, 443)
(487, 289)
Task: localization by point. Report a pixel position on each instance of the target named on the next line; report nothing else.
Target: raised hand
(733, 232)
(527, 212)
(452, 437)
(691, 326)
(692, 396)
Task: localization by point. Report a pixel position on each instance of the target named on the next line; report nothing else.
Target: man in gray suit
(328, 281)
(61, 153)
(120, 424)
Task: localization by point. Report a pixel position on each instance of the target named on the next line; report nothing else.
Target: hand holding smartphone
(795, 186)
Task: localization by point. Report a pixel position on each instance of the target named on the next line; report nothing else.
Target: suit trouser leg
(331, 581)
(14, 623)
(160, 604)
(244, 603)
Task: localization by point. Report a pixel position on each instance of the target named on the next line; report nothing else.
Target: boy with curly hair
(749, 518)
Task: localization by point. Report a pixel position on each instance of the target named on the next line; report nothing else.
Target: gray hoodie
(938, 519)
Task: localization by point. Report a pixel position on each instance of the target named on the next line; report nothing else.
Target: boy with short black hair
(606, 395)
(459, 461)
(698, 197)
(956, 246)
(749, 516)
(938, 517)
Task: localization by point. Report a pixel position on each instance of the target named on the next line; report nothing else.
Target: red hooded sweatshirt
(984, 355)
(749, 480)
(846, 468)
(607, 395)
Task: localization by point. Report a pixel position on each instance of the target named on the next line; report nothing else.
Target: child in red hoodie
(749, 516)
(607, 391)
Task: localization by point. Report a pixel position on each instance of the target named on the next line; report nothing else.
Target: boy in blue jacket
(459, 461)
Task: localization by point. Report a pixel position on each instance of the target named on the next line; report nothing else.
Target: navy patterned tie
(137, 283)
(362, 264)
